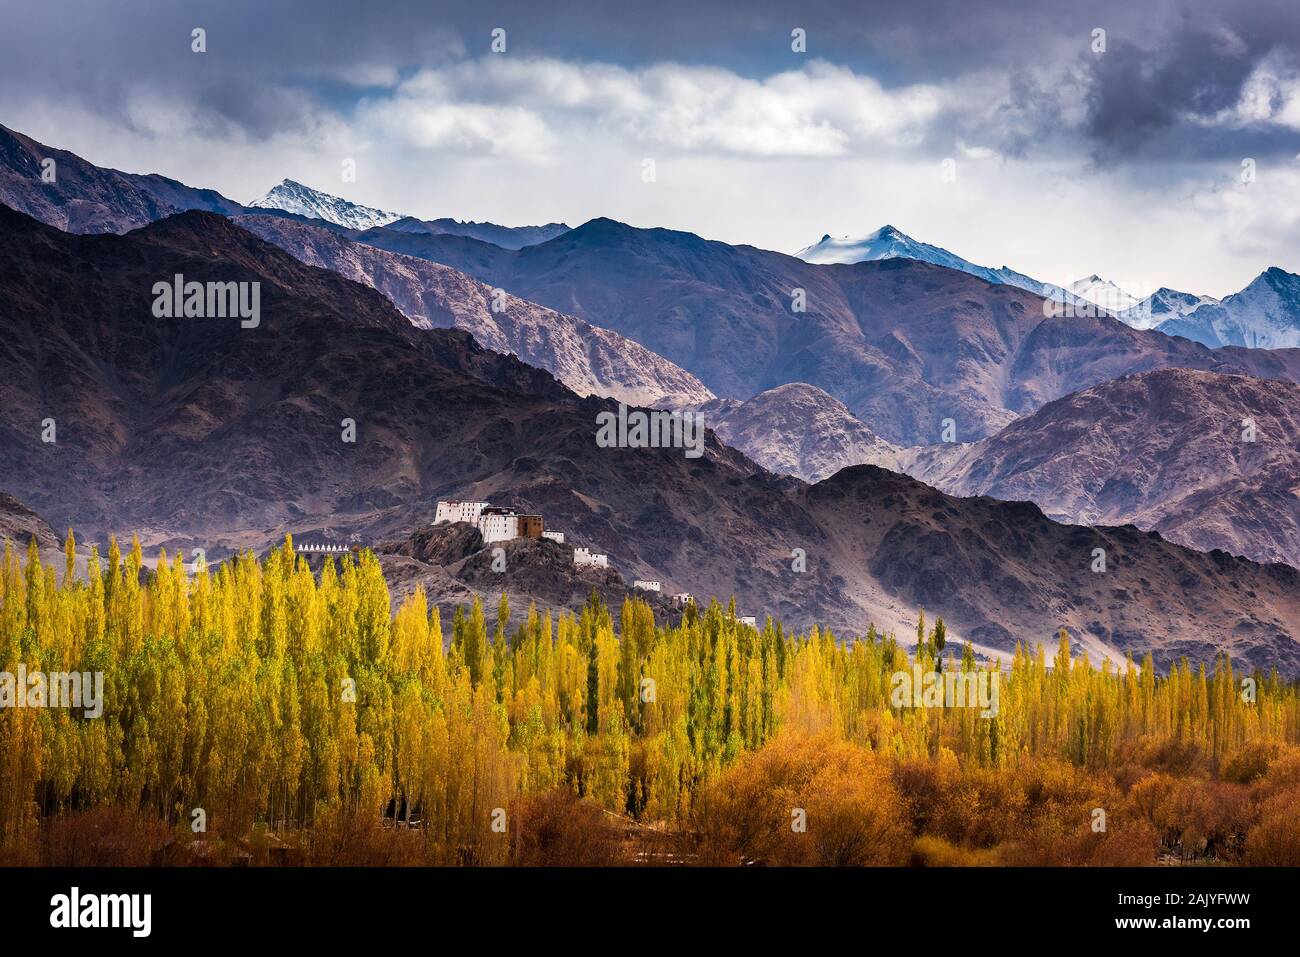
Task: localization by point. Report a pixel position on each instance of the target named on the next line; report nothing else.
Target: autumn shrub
(1249, 764)
(1194, 816)
(1274, 840)
(345, 838)
(756, 811)
(1283, 771)
(1177, 756)
(961, 803)
(1053, 842)
(556, 828)
(101, 837)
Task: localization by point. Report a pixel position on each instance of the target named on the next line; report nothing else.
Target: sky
(1153, 143)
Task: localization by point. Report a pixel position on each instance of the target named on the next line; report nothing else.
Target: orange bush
(844, 793)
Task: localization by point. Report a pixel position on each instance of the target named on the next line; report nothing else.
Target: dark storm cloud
(1165, 99)
(1170, 67)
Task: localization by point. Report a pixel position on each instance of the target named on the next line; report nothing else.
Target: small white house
(683, 598)
(749, 620)
(454, 510)
(586, 557)
(647, 584)
(554, 536)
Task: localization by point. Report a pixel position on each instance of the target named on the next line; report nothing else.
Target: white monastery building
(453, 510)
(647, 584)
(502, 523)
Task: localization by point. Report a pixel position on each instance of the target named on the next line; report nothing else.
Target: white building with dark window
(749, 620)
(498, 524)
(683, 598)
(554, 536)
(454, 510)
(648, 584)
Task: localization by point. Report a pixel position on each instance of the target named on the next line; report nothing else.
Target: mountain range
(84, 198)
(1265, 314)
(1161, 307)
(303, 201)
(904, 344)
(507, 237)
(202, 433)
(87, 198)
(586, 358)
(1208, 460)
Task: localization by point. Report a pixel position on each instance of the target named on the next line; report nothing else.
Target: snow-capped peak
(888, 242)
(885, 243)
(1264, 315)
(1104, 293)
(293, 197)
(1161, 306)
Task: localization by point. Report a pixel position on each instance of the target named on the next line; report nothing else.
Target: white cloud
(1270, 96)
(1256, 221)
(459, 127)
(526, 107)
(975, 152)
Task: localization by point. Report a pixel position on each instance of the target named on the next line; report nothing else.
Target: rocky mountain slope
(84, 198)
(903, 344)
(19, 525)
(1208, 460)
(586, 358)
(201, 432)
(797, 429)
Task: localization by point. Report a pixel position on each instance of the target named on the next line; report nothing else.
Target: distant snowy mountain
(890, 243)
(304, 201)
(885, 243)
(1104, 293)
(1161, 306)
(1264, 315)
